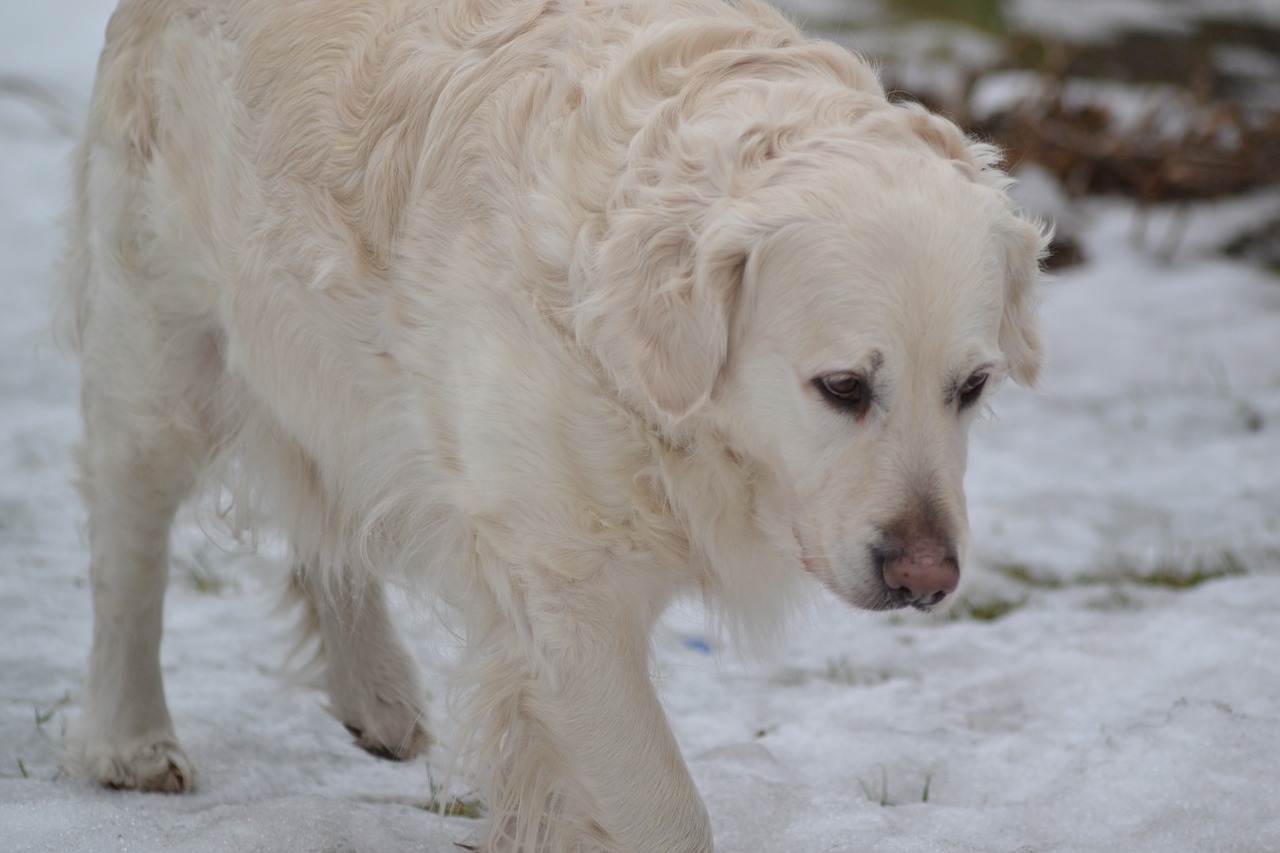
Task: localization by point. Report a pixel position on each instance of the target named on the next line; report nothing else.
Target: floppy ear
(1024, 245)
(659, 316)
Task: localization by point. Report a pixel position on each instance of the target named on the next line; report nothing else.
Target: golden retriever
(563, 307)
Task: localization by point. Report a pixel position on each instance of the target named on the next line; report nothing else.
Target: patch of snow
(1099, 20)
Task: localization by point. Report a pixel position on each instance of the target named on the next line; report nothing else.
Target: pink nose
(925, 572)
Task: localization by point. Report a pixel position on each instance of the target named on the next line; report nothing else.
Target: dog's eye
(972, 390)
(847, 391)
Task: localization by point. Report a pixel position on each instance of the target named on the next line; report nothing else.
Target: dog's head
(837, 309)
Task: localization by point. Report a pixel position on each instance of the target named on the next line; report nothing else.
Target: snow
(1086, 20)
(1102, 712)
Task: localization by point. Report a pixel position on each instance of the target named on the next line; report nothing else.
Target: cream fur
(525, 299)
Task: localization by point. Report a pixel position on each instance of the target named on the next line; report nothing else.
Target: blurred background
(1153, 100)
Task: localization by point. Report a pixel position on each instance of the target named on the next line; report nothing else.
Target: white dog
(562, 306)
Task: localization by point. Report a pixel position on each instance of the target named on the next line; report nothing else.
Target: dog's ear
(1024, 246)
(664, 290)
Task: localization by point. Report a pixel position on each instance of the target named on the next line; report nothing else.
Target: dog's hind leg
(373, 681)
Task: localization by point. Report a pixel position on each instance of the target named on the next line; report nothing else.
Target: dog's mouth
(877, 596)
(895, 599)
(873, 593)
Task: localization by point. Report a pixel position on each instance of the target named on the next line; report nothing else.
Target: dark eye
(972, 389)
(848, 391)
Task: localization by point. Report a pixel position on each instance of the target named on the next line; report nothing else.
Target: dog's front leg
(597, 704)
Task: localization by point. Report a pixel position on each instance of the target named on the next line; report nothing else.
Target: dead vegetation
(1169, 142)
(1218, 150)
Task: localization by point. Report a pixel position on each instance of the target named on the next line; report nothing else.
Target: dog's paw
(382, 706)
(395, 732)
(155, 763)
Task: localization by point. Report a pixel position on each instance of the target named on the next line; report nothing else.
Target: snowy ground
(1107, 708)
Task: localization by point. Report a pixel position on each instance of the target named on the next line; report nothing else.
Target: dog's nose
(925, 574)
